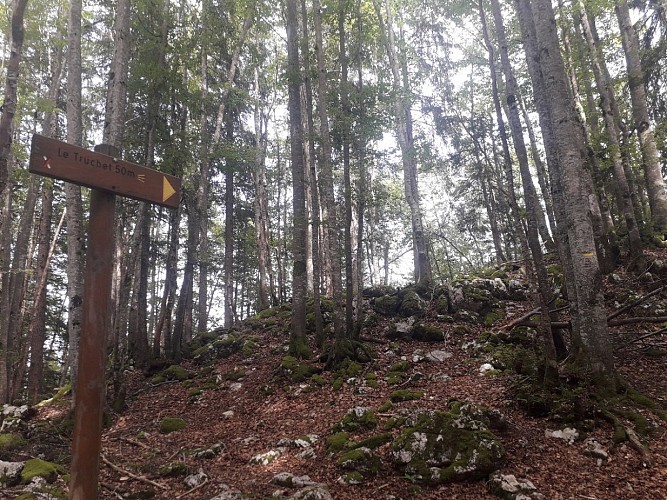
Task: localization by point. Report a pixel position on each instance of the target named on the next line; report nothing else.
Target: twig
(192, 489)
(171, 457)
(136, 443)
(112, 489)
(133, 476)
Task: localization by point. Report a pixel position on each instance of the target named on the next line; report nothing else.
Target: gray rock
(267, 458)
(317, 492)
(14, 411)
(438, 356)
(593, 448)
(568, 434)
(508, 487)
(289, 480)
(228, 493)
(10, 472)
(194, 480)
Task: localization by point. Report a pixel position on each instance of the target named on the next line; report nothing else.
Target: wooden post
(90, 383)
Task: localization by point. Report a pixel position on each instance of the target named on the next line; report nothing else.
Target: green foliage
(337, 441)
(177, 372)
(9, 442)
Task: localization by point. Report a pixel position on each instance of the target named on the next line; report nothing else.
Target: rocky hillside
(449, 405)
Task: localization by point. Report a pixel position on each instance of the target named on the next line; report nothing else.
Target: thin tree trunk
(299, 273)
(623, 193)
(532, 203)
(655, 184)
(330, 222)
(403, 118)
(76, 242)
(230, 165)
(313, 176)
(11, 88)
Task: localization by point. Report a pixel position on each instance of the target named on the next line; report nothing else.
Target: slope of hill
(234, 419)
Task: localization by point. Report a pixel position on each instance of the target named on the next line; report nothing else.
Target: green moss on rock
(373, 442)
(40, 468)
(387, 304)
(442, 447)
(427, 333)
(401, 366)
(9, 442)
(357, 419)
(173, 470)
(171, 424)
(295, 370)
(361, 460)
(412, 304)
(337, 441)
(406, 395)
(176, 372)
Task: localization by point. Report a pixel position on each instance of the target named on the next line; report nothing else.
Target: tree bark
(299, 273)
(655, 184)
(403, 117)
(592, 349)
(331, 218)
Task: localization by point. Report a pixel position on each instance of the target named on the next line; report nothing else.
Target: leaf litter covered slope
(252, 411)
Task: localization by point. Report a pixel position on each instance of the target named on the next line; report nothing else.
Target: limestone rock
(194, 480)
(266, 458)
(289, 480)
(508, 487)
(455, 445)
(10, 472)
(568, 434)
(317, 492)
(228, 493)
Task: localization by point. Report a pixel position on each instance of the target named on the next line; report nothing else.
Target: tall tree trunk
(299, 273)
(533, 207)
(36, 333)
(623, 193)
(261, 201)
(76, 242)
(5, 294)
(345, 137)
(230, 165)
(591, 348)
(655, 184)
(11, 86)
(314, 185)
(403, 116)
(208, 155)
(330, 222)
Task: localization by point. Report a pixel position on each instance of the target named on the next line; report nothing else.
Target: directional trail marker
(107, 176)
(96, 170)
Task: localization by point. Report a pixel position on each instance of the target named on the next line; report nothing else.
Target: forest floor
(253, 410)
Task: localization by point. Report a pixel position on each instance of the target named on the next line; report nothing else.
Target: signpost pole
(91, 385)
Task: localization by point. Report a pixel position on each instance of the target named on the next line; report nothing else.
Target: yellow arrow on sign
(167, 189)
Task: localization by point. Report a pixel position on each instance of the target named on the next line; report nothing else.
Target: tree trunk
(330, 222)
(403, 117)
(623, 193)
(655, 184)
(299, 273)
(230, 165)
(314, 185)
(533, 207)
(261, 201)
(592, 349)
(11, 87)
(345, 137)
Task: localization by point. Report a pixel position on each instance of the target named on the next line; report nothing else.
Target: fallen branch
(642, 337)
(635, 303)
(133, 476)
(136, 443)
(519, 321)
(641, 319)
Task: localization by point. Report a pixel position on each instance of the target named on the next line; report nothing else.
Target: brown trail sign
(96, 170)
(107, 176)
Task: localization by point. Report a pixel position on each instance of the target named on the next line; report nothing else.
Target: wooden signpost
(107, 176)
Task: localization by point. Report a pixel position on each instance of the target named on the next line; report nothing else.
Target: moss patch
(357, 419)
(337, 442)
(405, 395)
(9, 442)
(295, 370)
(40, 468)
(373, 442)
(171, 424)
(361, 460)
(176, 372)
